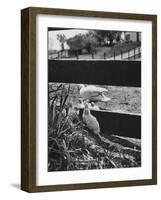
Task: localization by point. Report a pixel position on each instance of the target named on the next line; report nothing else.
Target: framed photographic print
(89, 99)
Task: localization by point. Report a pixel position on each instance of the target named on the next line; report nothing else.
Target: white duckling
(93, 93)
(90, 120)
(80, 104)
(93, 106)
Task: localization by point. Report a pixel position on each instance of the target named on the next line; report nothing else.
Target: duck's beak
(105, 99)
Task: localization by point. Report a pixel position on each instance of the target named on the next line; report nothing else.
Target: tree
(102, 36)
(118, 36)
(111, 36)
(62, 39)
(77, 42)
(83, 41)
(90, 42)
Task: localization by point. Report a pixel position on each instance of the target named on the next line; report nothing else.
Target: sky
(54, 44)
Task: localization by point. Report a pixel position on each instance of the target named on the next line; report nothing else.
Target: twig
(58, 88)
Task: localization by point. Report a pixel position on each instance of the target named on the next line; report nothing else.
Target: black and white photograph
(94, 99)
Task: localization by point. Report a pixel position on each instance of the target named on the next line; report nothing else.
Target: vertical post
(104, 55)
(134, 53)
(121, 55)
(92, 55)
(114, 55)
(77, 55)
(128, 54)
(139, 52)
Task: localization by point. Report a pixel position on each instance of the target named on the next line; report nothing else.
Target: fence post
(104, 55)
(128, 54)
(121, 55)
(139, 51)
(134, 53)
(114, 55)
(92, 55)
(77, 55)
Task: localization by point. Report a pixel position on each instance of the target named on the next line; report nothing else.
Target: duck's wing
(95, 89)
(92, 90)
(105, 98)
(86, 94)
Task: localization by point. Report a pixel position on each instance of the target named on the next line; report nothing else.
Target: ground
(101, 51)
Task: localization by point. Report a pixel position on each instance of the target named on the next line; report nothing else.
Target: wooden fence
(131, 54)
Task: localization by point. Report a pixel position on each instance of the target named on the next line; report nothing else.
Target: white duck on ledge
(93, 93)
